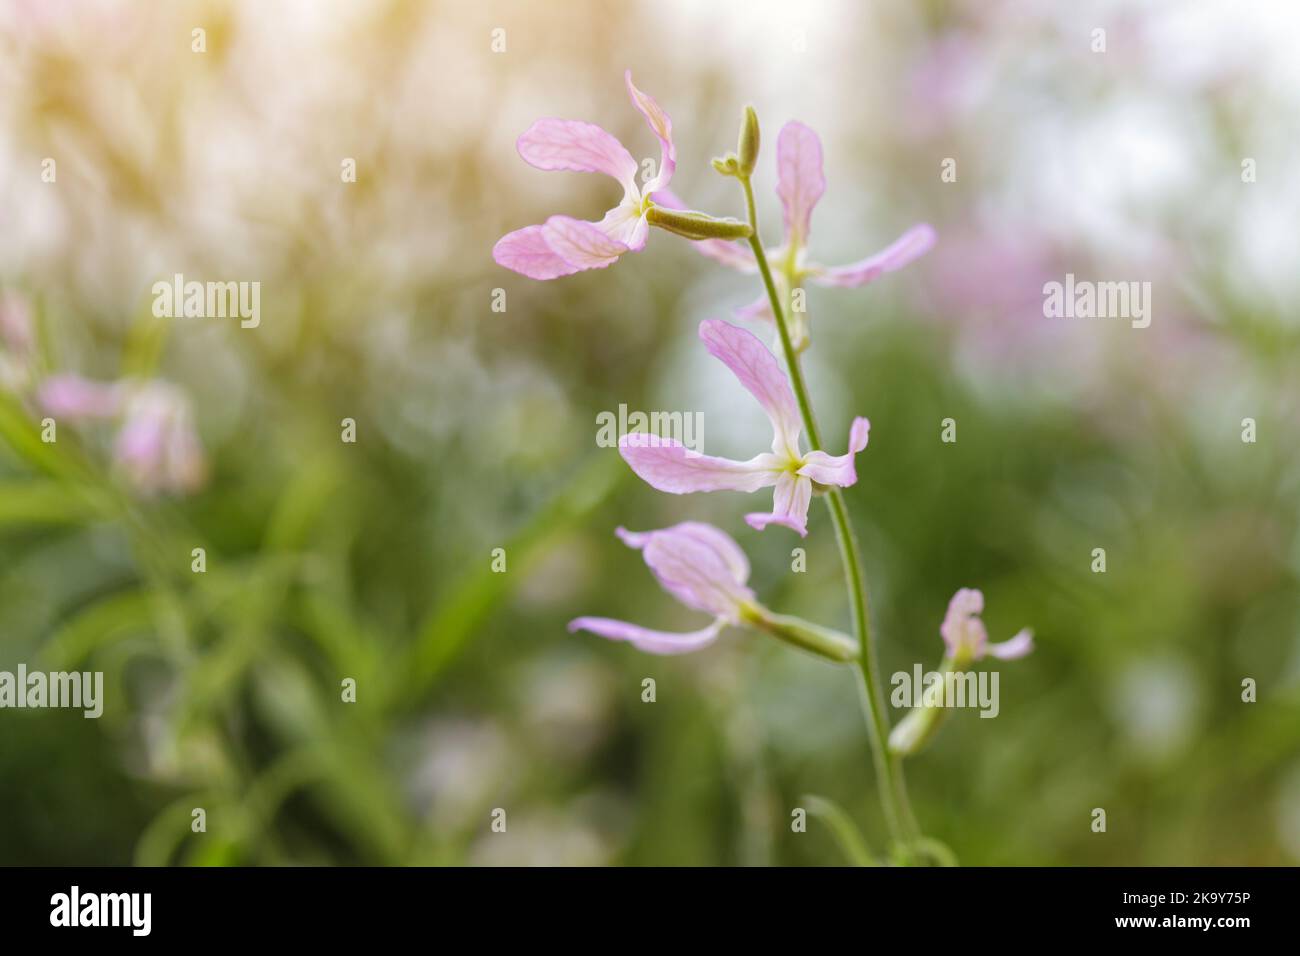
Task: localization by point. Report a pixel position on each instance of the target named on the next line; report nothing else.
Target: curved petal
(760, 310)
(696, 575)
(758, 370)
(77, 398)
(911, 245)
(1013, 648)
(837, 469)
(581, 147)
(668, 465)
(645, 639)
(662, 126)
(722, 543)
(584, 245)
(731, 254)
(789, 505)
(800, 180)
(527, 252)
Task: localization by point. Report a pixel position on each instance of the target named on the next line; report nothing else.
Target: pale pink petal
(645, 639)
(1013, 648)
(582, 244)
(732, 254)
(696, 574)
(578, 146)
(837, 469)
(717, 539)
(670, 466)
(962, 629)
(662, 126)
(800, 180)
(527, 252)
(625, 223)
(789, 505)
(760, 310)
(74, 397)
(913, 244)
(760, 373)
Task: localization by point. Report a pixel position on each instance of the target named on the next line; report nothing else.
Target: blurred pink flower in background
(563, 245)
(156, 446)
(16, 342)
(668, 465)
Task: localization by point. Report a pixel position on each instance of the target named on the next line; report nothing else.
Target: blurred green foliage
(372, 561)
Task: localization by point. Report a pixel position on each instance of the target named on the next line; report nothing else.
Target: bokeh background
(476, 430)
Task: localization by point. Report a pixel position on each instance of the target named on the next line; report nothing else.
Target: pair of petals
(699, 565)
(563, 245)
(667, 465)
(965, 635)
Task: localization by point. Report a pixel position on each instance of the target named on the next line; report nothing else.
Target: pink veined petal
(527, 252)
(696, 575)
(800, 180)
(577, 146)
(789, 505)
(645, 639)
(74, 397)
(731, 254)
(668, 465)
(1014, 647)
(717, 539)
(910, 246)
(760, 373)
(662, 126)
(837, 469)
(582, 244)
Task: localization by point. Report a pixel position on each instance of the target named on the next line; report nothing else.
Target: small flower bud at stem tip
(697, 225)
(747, 147)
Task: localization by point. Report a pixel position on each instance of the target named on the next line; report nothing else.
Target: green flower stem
(889, 769)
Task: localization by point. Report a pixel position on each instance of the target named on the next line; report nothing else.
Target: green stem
(889, 769)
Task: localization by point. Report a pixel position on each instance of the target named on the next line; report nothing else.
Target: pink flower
(800, 184)
(967, 640)
(156, 446)
(699, 565)
(80, 399)
(563, 245)
(669, 466)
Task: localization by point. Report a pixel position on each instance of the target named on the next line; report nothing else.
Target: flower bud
(697, 225)
(727, 165)
(747, 147)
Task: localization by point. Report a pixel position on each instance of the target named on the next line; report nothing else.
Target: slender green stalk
(889, 770)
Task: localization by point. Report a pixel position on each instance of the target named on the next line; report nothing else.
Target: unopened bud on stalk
(697, 225)
(747, 147)
(728, 165)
